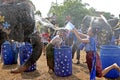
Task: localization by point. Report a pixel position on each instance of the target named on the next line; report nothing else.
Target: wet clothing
(73, 35)
(80, 47)
(90, 48)
(55, 42)
(112, 42)
(89, 58)
(75, 46)
(50, 56)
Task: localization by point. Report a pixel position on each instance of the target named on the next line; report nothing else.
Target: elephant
(104, 30)
(17, 22)
(20, 16)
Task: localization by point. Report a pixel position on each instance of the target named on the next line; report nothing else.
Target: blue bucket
(110, 54)
(63, 61)
(25, 52)
(7, 53)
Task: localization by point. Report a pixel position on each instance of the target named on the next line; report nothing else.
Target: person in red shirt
(45, 40)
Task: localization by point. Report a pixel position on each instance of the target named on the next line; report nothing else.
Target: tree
(108, 15)
(75, 8)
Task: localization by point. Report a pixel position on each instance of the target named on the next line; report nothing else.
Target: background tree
(76, 9)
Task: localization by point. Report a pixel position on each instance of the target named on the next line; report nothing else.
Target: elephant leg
(37, 51)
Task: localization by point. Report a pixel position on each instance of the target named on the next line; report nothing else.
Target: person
(67, 19)
(114, 40)
(77, 47)
(78, 51)
(36, 53)
(53, 17)
(45, 40)
(90, 46)
(55, 42)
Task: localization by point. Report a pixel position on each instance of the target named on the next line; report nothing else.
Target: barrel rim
(110, 47)
(62, 47)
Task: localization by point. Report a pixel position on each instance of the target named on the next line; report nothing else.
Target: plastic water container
(7, 53)
(25, 52)
(110, 54)
(63, 61)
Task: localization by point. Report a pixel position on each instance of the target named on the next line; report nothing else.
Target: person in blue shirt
(114, 40)
(75, 48)
(74, 44)
(90, 48)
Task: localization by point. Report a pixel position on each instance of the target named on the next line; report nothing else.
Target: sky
(111, 6)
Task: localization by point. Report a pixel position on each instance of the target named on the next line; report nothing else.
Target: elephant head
(104, 31)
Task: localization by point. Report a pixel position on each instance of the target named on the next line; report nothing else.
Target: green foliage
(108, 15)
(60, 21)
(76, 9)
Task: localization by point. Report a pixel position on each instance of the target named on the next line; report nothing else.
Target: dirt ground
(79, 72)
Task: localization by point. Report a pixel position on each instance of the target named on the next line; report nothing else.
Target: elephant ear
(113, 22)
(104, 30)
(85, 23)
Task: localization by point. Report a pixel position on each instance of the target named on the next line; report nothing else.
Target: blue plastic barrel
(63, 61)
(110, 54)
(25, 52)
(7, 53)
